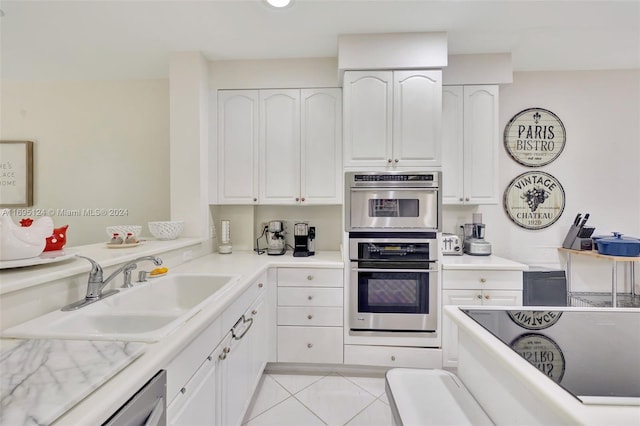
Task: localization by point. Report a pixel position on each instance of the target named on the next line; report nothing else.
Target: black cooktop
(588, 353)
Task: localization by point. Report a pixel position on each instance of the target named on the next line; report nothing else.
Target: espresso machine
(304, 240)
(474, 242)
(275, 238)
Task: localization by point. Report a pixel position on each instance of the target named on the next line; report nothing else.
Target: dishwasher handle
(156, 415)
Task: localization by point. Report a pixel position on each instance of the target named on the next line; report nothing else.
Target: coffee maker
(474, 242)
(275, 238)
(304, 240)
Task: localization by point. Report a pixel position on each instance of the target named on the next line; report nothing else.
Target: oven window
(394, 207)
(393, 292)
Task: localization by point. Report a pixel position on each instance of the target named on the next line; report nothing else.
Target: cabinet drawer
(240, 305)
(477, 279)
(391, 356)
(310, 344)
(315, 316)
(312, 296)
(312, 277)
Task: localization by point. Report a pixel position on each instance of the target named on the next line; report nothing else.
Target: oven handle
(394, 188)
(393, 270)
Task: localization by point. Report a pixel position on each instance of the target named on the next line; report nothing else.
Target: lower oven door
(393, 299)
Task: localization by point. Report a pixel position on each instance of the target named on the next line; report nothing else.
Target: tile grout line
(367, 391)
(257, 393)
(360, 412)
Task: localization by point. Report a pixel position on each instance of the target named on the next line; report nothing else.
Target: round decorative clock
(534, 200)
(534, 137)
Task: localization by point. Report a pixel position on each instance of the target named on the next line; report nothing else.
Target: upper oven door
(393, 208)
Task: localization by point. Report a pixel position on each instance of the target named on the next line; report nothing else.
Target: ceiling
(132, 39)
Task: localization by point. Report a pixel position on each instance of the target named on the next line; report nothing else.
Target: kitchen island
(581, 366)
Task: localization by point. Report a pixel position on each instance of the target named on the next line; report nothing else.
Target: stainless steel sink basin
(146, 313)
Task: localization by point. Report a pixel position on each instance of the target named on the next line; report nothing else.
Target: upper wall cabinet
(470, 143)
(392, 118)
(291, 139)
(238, 146)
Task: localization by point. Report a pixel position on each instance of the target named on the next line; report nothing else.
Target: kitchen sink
(145, 313)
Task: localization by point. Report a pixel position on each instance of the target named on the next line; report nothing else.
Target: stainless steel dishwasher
(147, 407)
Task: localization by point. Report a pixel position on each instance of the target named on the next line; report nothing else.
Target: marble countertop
(98, 404)
(42, 379)
(491, 262)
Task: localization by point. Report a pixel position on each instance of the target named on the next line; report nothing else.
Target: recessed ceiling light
(279, 4)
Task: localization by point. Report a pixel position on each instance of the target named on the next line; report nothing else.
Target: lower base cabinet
(310, 344)
(219, 390)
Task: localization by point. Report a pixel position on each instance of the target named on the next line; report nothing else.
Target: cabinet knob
(461, 199)
(297, 199)
(486, 296)
(302, 199)
(183, 391)
(396, 160)
(309, 316)
(226, 349)
(255, 199)
(309, 277)
(466, 199)
(254, 312)
(389, 160)
(393, 357)
(483, 280)
(310, 297)
(309, 345)
(209, 358)
(479, 296)
(260, 285)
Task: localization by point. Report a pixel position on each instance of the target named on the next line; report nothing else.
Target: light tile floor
(319, 399)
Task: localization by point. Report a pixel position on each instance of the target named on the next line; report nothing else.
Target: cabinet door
(501, 298)
(452, 145)
(196, 404)
(368, 103)
(238, 146)
(259, 338)
(449, 329)
(481, 143)
(279, 146)
(321, 146)
(417, 112)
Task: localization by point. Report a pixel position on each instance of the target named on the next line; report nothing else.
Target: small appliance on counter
(474, 242)
(304, 240)
(275, 238)
(578, 237)
(451, 245)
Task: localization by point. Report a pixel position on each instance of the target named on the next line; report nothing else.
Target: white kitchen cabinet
(293, 138)
(237, 153)
(475, 288)
(391, 356)
(215, 386)
(392, 118)
(310, 315)
(470, 144)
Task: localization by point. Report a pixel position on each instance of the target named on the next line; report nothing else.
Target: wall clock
(534, 200)
(534, 137)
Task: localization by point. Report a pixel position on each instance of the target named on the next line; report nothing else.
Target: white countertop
(491, 262)
(109, 397)
(538, 384)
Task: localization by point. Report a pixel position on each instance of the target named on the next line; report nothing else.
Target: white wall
(98, 144)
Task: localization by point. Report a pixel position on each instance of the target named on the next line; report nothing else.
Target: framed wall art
(16, 173)
(534, 200)
(534, 137)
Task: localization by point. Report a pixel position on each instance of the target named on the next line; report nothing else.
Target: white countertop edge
(20, 278)
(538, 383)
(492, 262)
(102, 403)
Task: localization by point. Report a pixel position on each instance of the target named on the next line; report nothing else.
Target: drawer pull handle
(393, 357)
(310, 277)
(483, 280)
(260, 285)
(309, 345)
(310, 297)
(310, 316)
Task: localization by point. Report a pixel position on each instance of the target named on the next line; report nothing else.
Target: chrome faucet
(96, 283)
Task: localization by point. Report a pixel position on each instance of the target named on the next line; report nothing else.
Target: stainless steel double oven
(393, 220)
